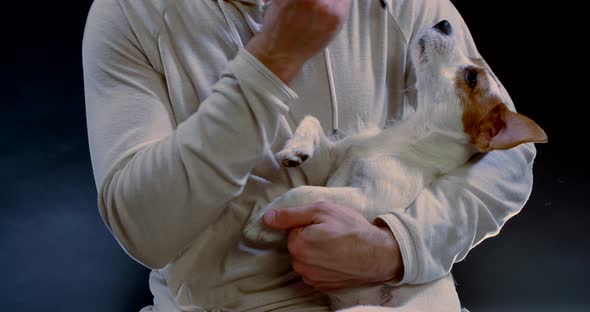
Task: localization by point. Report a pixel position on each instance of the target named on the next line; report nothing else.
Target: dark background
(56, 254)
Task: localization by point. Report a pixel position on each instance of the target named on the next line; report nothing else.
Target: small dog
(460, 112)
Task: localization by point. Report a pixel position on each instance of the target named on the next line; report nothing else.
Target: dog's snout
(444, 27)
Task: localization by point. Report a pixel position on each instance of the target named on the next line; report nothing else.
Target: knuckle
(322, 207)
(307, 3)
(331, 16)
(323, 8)
(308, 281)
(334, 19)
(298, 267)
(293, 250)
(294, 246)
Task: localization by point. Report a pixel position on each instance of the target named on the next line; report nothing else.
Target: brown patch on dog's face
(473, 89)
(486, 119)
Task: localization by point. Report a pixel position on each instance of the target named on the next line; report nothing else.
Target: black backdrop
(56, 254)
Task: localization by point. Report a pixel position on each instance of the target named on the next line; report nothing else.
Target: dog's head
(464, 95)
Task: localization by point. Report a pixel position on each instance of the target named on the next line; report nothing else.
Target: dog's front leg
(257, 232)
(308, 137)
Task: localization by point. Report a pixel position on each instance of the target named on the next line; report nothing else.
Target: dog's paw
(296, 151)
(292, 158)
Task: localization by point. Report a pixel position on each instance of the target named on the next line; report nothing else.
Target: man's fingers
(288, 218)
(319, 275)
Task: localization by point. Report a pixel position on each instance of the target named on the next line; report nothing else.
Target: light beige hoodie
(183, 123)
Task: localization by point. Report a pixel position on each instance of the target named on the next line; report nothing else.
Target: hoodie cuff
(251, 72)
(406, 246)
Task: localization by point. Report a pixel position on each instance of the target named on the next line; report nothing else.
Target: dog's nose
(444, 27)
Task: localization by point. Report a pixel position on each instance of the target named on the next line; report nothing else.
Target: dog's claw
(291, 162)
(293, 159)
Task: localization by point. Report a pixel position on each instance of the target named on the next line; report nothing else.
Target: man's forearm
(459, 211)
(294, 31)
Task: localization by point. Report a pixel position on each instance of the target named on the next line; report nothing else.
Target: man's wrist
(284, 66)
(390, 256)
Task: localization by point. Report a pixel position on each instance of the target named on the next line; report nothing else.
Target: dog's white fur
(376, 171)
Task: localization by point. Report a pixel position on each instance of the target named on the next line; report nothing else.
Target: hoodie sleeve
(160, 185)
(468, 205)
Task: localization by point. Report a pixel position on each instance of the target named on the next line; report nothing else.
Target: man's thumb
(288, 218)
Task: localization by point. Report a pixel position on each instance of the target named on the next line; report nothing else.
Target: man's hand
(334, 247)
(294, 31)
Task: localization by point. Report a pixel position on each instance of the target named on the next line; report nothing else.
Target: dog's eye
(471, 78)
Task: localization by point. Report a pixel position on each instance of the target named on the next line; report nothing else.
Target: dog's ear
(503, 129)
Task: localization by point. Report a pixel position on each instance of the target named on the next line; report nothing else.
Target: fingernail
(270, 217)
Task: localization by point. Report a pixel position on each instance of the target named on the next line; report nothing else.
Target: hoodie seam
(397, 25)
